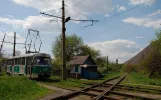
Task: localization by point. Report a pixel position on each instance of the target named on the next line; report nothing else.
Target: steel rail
(73, 94)
(99, 97)
(94, 95)
(116, 93)
(128, 87)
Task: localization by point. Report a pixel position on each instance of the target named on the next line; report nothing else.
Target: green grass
(20, 88)
(72, 83)
(68, 84)
(136, 78)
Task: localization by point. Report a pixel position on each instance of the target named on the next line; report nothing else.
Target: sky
(120, 33)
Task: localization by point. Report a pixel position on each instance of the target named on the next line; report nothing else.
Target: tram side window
(9, 62)
(16, 62)
(12, 61)
(23, 61)
(29, 61)
(19, 61)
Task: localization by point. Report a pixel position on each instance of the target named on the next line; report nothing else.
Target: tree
(86, 50)
(152, 61)
(155, 62)
(74, 47)
(73, 42)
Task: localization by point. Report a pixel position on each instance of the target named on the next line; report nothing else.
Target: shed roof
(78, 60)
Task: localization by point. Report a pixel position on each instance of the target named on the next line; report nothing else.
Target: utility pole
(2, 43)
(107, 62)
(65, 20)
(14, 45)
(64, 71)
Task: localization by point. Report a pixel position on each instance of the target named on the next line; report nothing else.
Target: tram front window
(43, 61)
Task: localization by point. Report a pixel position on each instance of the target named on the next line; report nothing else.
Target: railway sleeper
(75, 93)
(120, 79)
(122, 94)
(137, 88)
(134, 89)
(94, 95)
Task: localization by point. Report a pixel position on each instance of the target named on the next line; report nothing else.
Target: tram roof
(30, 55)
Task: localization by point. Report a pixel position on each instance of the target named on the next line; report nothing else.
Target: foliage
(137, 78)
(56, 63)
(18, 88)
(152, 63)
(129, 68)
(74, 47)
(105, 67)
(86, 50)
(102, 64)
(73, 43)
(2, 60)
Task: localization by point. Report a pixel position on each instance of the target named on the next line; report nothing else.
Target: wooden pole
(64, 73)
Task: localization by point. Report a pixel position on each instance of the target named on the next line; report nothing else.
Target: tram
(36, 65)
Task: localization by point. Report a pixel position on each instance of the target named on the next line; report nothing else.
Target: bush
(130, 68)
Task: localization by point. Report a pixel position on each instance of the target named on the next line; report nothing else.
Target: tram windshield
(43, 61)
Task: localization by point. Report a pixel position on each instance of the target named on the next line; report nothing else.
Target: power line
(123, 11)
(78, 12)
(117, 14)
(77, 3)
(58, 21)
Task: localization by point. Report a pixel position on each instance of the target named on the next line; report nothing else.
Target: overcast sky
(120, 37)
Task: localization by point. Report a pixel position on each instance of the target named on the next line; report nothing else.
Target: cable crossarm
(43, 13)
(85, 20)
(69, 18)
(13, 43)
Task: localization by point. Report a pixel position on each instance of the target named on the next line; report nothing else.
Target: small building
(83, 67)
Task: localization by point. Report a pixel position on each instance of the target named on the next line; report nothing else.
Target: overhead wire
(78, 12)
(58, 21)
(77, 3)
(124, 11)
(118, 14)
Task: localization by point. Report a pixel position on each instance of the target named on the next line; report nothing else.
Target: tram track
(133, 88)
(112, 90)
(85, 90)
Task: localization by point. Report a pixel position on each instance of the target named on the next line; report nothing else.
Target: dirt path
(57, 91)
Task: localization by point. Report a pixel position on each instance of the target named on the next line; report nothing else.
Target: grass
(136, 78)
(20, 88)
(72, 83)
